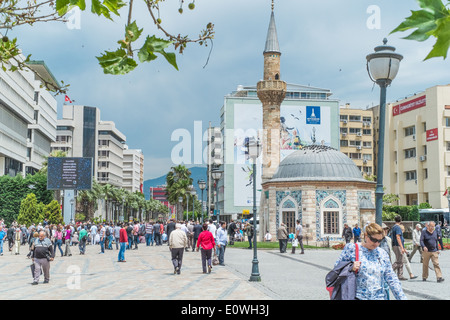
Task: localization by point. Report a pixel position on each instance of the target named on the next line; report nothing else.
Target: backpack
(108, 232)
(142, 230)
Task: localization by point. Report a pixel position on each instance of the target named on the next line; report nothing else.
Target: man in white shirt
(93, 233)
(102, 233)
(299, 236)
(416, 242)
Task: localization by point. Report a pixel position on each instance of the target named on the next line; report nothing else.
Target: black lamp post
(180, 200)
(202, 186)
(216, 175)
(382, 66)
(254, 150)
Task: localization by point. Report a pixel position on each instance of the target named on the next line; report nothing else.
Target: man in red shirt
(123, 239)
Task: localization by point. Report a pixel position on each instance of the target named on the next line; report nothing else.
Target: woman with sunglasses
(373, 268)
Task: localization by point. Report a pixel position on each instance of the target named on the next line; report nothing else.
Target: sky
(324, 43)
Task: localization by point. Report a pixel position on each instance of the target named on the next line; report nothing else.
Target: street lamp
(254, 150)
(216, 175)
(123, 209)
(180, 200)
(382, 66)
(193, 193)
(202, 186)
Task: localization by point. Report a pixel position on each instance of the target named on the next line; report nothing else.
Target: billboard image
(302, 126)
(69, 173)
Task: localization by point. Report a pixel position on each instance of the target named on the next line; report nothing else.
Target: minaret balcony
(272, 85)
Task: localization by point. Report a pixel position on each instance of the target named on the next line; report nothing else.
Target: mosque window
(331, 222)
(277, 77)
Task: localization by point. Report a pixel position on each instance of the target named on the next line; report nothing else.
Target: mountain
(197, 173)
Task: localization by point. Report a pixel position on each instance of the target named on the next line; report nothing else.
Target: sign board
(245, 212)
(432, 134)
(69, 173)
(409, 106)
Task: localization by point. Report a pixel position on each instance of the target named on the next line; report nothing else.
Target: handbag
(295, 242)
(330, 289)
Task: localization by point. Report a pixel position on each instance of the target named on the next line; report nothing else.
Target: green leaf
(156, 45)
(100, 9)
(116, 62)
(114, 5)
(442, 33)
(132, 32)
(62, 6)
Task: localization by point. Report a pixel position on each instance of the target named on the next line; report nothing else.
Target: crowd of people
(45, 240)
(378, 261)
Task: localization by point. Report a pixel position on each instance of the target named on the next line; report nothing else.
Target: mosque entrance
(289, 220)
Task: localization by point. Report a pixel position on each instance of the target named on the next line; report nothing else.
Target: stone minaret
(271, 92)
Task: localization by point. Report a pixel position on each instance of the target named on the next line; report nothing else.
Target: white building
(133, 169)
(27, 120)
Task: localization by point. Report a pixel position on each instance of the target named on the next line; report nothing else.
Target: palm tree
(107, 194)
(178, 181)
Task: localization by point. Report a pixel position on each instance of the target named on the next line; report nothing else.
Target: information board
(69, 173)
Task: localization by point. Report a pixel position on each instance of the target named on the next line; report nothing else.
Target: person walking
(206, 241)
(347, 233)
(439, 234)
(123, 239)
(83, 236)
(177, 244)
(356, 234)
(67, 237)
(149, 233)
(299, 237)
(170, 227)
(429, 242)
(222, 240)
(198, 229)
(102, 234)
(249, 231)
(10, 233)
(157, 233)
(416, 243)
(190, 234)
(282, 235)
(93, 231)
(58, 240)
(136, 229)
(373, 267)
(17, 240)
(398, 247)
(2, 239)
(116, 234)
(406, 261)
(41, 254)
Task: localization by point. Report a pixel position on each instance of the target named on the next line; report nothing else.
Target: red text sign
(432, 134)
(409, 106)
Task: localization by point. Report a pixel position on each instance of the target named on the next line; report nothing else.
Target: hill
(197, 173)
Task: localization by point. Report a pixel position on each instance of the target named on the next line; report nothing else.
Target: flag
(446, 191)
(67, 99)
(142, 188)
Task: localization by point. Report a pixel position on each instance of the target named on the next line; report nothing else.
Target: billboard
(404, 107)
(69, 173)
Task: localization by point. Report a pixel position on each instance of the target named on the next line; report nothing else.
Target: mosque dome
(317, 163)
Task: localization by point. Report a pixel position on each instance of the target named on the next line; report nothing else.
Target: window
(331, 222)
(344, 130)
(367, 157)
(367, 144)
(424, 150)
(367, 131)
(424, 126)
(354, 118)
(367, 119)
(448, 171)
(425, 173)
(354, 155)
(344, 117)
(448, 146)
(354, 143)
(447, 122)
(367, 170)
(344, 143)
(355, 130)
(410, 153)
(410, 131)
(411, 175)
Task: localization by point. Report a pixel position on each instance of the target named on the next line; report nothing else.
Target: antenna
(273, 5)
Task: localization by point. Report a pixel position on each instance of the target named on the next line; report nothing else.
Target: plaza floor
(148, 274)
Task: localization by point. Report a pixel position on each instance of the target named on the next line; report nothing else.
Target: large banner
(302, 126)
(247, 124)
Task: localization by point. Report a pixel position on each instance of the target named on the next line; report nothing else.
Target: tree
(28, 212)
(14, 13)
(389, 198)
(53, 213)
(432, 20)
(178, 181)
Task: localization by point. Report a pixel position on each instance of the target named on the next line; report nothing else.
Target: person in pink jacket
(206, 240)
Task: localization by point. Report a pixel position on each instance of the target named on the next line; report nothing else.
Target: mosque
(318, 184)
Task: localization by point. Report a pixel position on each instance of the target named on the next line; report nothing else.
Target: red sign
(409, 106)
(432, 134)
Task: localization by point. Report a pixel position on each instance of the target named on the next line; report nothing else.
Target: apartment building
(133, 169)
(417, 147)
(81, 133)
(356, 137)
(27, 119)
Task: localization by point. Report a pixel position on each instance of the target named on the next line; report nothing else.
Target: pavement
(148, 275)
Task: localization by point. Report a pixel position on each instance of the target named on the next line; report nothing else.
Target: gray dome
(317, 163)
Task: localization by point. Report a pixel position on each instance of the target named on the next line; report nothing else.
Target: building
(322, 188)
(356, 137)
(215, 148)
(159, 193)
(133, 169)
(81, 133)
(289, 116)
(28, 116)
(417, 147)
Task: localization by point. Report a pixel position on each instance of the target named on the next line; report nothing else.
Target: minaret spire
(273, 5)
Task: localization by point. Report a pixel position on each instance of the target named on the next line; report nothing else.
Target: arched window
(277, 77)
